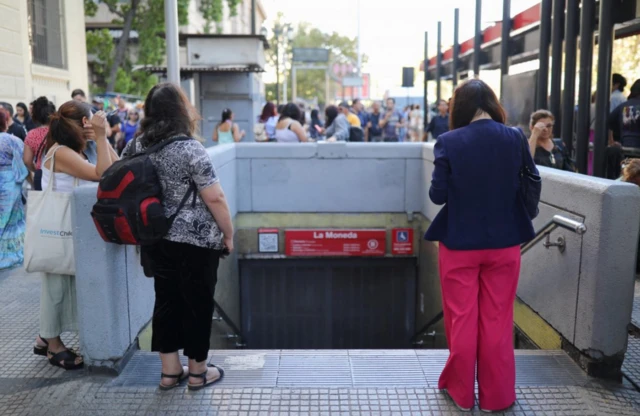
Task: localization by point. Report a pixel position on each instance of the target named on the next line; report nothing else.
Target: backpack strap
(193, 190)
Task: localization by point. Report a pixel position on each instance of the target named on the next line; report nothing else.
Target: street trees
(114, 60)
(310, 83)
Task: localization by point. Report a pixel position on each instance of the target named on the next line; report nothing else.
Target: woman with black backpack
(184, 263)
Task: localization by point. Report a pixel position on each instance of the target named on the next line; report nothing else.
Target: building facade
(43, 52)
(240, 24)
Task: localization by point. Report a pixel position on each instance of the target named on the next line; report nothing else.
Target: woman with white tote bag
(64, 167)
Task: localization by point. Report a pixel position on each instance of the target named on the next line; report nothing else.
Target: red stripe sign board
(314, 243)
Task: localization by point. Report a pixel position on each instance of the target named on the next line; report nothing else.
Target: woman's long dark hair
(331, 112)
(291, 111)
(315, 117)
(472, 98)
(25, 110)
(268, 111)
(226, 115)
(167, 113)
(42, 111)
(65, 126)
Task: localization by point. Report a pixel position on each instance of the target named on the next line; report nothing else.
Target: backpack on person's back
(129, 208)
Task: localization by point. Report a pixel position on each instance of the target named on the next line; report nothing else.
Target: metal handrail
(227, 320)
(558, 221)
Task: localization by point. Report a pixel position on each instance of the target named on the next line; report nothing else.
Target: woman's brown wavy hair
(167, 113)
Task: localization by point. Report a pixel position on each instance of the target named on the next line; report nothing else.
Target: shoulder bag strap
(524, 147)
(52, 175)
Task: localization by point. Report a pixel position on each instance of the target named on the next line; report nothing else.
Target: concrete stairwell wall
(579, 300)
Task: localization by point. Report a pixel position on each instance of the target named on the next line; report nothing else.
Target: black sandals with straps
(179, 379)
(203, 376)
(38, 350)
(65, 359)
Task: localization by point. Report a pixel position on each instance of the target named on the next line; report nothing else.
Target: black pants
(185, 279)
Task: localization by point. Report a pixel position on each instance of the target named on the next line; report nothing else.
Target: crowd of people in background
(349, 122)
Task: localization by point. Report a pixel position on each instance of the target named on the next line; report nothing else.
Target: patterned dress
(13, 172)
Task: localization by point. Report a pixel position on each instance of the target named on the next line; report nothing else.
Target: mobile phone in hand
(225, 252)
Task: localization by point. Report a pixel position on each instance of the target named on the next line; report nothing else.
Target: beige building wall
(23, 80)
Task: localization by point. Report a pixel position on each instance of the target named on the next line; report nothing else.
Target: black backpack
(129, 208)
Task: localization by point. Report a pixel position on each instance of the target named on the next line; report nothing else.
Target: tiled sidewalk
(275, 382)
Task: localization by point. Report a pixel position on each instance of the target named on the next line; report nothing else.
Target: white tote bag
(48, 241)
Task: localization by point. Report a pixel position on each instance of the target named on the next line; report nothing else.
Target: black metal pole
(439, 61)
(478, 39)
(557, 36)
(605, 53)
(425, 101)
(456, 47)
(587, 24)
(253, 17)
(569, 93)
(505, 42)
(545, 42)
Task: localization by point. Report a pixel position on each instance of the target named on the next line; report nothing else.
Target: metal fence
(47, 38)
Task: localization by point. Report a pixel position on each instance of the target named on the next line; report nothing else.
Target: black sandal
(38, 350)
(203, 376)
(65, 359)
(180, 378)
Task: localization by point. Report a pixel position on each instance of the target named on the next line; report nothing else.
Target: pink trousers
(478, 291)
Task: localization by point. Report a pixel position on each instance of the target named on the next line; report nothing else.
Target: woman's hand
(228, 243)
(538, 129)
(99, 124)
(332, 139)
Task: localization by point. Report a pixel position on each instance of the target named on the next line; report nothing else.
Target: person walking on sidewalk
(66, 165)
(185, 263)
(480, 229)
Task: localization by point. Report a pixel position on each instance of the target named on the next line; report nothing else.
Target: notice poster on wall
(402, 241)
(268, 240)
(314, 243)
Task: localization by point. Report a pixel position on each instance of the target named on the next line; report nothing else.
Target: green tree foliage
(212, 11)
(310, 83)
(115, 60)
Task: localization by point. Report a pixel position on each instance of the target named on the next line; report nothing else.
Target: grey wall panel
(328, 186)
(243, 182)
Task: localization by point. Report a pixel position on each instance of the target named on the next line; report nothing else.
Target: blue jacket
(476, 177)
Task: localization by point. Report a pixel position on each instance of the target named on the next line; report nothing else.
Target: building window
(47, 33)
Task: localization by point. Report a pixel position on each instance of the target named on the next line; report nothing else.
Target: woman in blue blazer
(480, 229)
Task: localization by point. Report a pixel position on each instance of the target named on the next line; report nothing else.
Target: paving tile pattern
(631, 365)
(354, 383)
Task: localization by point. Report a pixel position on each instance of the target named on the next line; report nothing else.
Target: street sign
(331, 242)
(352, 81)
(310, 55)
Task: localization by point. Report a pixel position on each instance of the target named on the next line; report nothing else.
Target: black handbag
(530, 181)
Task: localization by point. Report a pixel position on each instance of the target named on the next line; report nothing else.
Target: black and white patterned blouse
(177, 165)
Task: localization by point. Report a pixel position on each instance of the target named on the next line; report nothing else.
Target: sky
(391, 31)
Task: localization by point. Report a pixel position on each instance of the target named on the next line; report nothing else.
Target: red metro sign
(314, 243)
